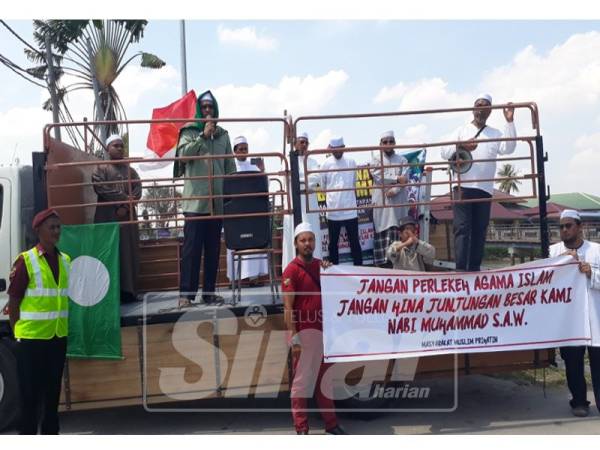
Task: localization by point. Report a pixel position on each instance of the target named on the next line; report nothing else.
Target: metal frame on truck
(62, 180)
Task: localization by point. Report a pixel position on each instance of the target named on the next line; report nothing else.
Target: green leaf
(38, 72)
(105, 62)
(151, 61)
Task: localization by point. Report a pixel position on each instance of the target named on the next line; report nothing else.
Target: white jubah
(289, 252)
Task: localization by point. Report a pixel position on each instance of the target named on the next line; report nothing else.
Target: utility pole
(184, 88)
(52, 87)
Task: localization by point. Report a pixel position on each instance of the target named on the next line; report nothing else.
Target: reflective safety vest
(44, 310)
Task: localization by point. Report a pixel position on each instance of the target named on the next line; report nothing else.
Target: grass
(555, 376)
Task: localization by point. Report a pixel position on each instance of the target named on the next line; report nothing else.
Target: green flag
(94, 304)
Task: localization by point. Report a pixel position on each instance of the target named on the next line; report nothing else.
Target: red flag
(163, 136)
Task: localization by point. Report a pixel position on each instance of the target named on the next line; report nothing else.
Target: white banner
(371, 313)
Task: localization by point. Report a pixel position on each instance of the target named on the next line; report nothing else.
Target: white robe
(590, 253)
(289, 252)
(487, 150)
(385, 218)
(255, 267)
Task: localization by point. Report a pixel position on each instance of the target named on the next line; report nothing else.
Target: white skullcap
(570, 214)
(336, 142)
(303, 227)
(239, 140)
(207, 98)
(487, 97)
(112, 138)
(302, 136)
(388, 134)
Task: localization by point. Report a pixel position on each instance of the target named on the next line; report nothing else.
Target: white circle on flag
(88, 281)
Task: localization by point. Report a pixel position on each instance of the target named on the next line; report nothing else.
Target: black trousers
(574, 367)
(40, 366)
(351, 226)
(200, 236)
(470, 228)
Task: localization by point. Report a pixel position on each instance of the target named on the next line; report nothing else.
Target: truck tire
(9, 387)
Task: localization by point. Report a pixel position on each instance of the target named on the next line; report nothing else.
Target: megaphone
(461, 161)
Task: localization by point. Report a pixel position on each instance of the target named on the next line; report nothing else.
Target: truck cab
(16, 213)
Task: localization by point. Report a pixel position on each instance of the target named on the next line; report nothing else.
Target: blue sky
(319, 67)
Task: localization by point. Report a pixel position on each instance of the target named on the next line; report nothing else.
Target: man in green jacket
(202, 234)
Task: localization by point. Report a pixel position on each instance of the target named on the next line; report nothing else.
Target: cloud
(583, 165)
(416, 133)
(387, 94)
(258, 138)
(246, 37)
(135, 83)
(565, 78)
(299, 95)
(322, 139)
(21, 132)
(427, 93)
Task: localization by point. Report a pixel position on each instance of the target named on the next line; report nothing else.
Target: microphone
(208, 116)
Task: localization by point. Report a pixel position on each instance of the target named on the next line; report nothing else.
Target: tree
(95, 53)
(162, 210)
(510, 184)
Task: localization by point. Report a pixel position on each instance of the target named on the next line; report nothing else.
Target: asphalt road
(486, 405)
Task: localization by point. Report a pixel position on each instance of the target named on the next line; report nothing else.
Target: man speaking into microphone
(202, 234)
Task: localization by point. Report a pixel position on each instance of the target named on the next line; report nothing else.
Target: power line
(14, 33)
(18, 70)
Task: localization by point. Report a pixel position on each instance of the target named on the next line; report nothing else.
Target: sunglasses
(206, 106)
(388, 142)
(566, 226)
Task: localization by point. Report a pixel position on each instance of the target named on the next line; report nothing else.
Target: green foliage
(509, 185)
(495, 252)
(88, 50)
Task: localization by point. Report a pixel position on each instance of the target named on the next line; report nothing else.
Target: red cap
(43, 215)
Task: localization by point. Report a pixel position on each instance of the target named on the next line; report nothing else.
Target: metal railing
(531, 233)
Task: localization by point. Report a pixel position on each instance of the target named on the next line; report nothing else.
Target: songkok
(388, 134)
(407, 221)
(207, 98)
(303, 227)
(239, 140)
(42, 216)
(570, 214)
(112, 138)
(487, 97)
(336, 142)
(302, 136)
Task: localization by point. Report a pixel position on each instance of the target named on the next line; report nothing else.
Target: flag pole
(183, 59)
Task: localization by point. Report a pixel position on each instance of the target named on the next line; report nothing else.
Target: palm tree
(95, 53)
(162, 210)
(510, 184)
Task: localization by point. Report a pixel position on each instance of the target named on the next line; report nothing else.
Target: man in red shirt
(302, 315)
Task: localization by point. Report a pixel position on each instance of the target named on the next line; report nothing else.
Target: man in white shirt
(588, 255)
(341, 174)
(393, 181)
(253, 268)
(471, 219)
(289, 252)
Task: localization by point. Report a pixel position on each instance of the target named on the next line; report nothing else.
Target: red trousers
(310, 378)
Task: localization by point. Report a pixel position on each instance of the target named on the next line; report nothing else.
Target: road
(486, 406)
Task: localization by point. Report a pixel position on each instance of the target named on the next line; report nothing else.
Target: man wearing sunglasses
(588, 255)
(202, 199)
(390, 177)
